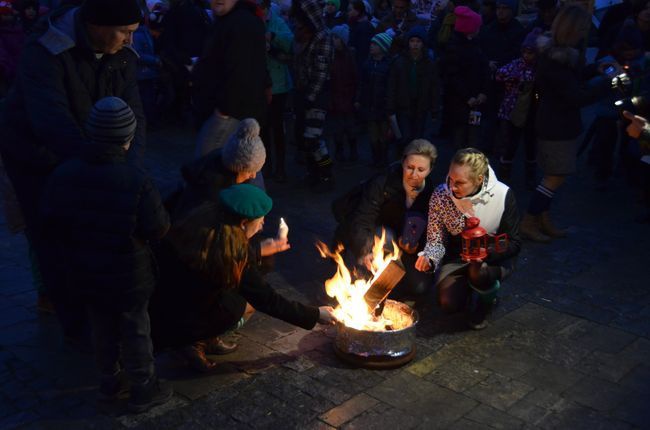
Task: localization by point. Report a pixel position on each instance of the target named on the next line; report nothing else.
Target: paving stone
(494, 418)
(201, 385)
(528, 411)
(611, 367)
(634, 410)
(577, 417)
(422, 398)
(499, 391)
(551, 377)
(383, 417)
(348, 410)
(458, 375)
(299, 342)
(465, 424)
(638, 379)
(22, 418)
(429, 363)
(263, 329)
(606, 339)
(318, 425)
(596, 393)
(511, 362)
(541, 318)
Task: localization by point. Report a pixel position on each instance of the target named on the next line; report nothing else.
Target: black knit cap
(111, 12)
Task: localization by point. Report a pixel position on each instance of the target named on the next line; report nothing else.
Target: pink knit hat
(467, 21)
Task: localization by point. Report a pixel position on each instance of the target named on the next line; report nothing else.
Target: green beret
(246, 201)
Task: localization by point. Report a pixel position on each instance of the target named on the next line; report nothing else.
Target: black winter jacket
(59, 81)
(399, 94)
(502, 43)
(465, 74)
(382, 204)
(101, 212)
(231, 75)
(187, 26)
(373, 86)
(563, 92)
(186, 307)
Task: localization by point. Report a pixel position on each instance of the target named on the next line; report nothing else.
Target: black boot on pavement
(152, 393)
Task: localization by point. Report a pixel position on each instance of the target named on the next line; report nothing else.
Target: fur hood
(561, 54)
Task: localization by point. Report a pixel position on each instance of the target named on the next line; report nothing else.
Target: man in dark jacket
(231, 80)
(315, 53)
(100, 212)
(78, 56)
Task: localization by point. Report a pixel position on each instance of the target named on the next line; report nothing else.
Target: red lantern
(475, 241)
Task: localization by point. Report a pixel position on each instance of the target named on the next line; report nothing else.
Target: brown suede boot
(530, 228)
(218, 346)
(194, 354)
(547, 227)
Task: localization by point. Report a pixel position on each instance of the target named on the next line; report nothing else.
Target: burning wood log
(383, 285)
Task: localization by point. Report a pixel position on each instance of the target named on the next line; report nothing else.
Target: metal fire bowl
(378, 349)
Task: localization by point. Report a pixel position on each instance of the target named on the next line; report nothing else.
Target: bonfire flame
(352, 309)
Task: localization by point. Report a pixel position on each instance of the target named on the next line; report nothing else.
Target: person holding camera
(639, 129)
(559, 80)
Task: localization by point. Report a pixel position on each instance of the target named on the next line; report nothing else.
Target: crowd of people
(81, 84)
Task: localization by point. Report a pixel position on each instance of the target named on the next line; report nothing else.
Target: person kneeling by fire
(470, 273)
(209, 282)
(395, 200)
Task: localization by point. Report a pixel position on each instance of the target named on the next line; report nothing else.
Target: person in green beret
(210, 281)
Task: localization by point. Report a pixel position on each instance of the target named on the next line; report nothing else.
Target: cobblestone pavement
(567, 348)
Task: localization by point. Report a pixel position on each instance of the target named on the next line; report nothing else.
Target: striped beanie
(383, 40)
(111, 120)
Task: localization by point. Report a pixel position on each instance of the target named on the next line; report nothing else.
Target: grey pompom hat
(244, 151)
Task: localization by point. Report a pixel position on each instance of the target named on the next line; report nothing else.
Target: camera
(638, 105)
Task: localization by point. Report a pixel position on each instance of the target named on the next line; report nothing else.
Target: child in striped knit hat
(372, 96)
(100, 212)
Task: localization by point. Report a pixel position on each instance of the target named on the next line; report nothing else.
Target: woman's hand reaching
(273, 246)
(326, 315)
(423, 264)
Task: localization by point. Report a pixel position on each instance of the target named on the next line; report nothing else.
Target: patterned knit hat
(112, 121)
(111, 12)
(383, 40)
(244, 151)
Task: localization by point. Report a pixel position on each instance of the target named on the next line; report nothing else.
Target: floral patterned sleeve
(434, 250)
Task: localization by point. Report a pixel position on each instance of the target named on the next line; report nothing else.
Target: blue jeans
(214, 133)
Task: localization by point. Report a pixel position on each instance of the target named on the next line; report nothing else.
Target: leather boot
(548, 228)
(195, 356)
(218, 346)
(530, 229)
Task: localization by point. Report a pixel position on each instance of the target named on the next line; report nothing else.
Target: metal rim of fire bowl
(375, 362)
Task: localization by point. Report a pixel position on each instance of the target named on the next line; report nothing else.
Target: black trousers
(123, 334)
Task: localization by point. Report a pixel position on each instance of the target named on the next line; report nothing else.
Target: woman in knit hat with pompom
(210, 284)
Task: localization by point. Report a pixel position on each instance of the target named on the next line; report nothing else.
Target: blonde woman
(471, 190)
(562, 94)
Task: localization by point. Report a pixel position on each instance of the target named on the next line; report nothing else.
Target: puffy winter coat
(101, 211)
(59, 80)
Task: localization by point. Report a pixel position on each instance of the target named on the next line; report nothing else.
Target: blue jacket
(149, 62)
(59, 80)
(373, 86)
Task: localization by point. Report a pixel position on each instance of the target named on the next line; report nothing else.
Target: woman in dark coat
(397, 201)
(562, 94)
(210, 282)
